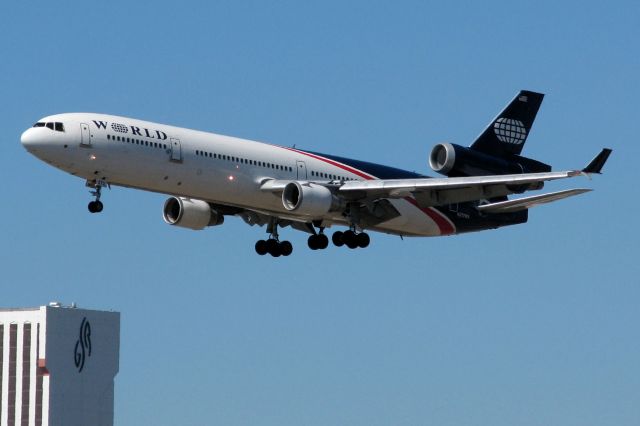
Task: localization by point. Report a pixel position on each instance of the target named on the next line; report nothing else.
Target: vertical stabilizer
(507, 133)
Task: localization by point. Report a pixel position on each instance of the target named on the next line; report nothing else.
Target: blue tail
(507, 133)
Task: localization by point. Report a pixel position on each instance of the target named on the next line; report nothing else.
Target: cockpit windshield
(57, 126)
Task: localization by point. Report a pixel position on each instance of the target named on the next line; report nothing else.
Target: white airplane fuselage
(204, 166)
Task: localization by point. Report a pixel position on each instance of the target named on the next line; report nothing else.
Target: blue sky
(529, 325)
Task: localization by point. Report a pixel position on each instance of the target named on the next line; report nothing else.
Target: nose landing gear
(96, 206)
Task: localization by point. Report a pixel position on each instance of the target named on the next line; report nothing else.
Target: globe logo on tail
(510, 131)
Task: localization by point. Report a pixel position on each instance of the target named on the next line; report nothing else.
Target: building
(57, 366)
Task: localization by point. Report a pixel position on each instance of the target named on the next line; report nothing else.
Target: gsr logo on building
(82, 349)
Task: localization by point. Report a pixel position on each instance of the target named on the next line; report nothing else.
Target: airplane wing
(430, 192)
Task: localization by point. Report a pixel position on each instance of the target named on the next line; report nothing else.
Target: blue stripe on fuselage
(377, 170)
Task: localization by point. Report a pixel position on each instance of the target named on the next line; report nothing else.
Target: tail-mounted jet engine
(455, 160)
(309, 199)
(189, 213)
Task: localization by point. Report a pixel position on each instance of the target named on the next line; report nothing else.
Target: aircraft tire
(350, 239)
(363, 240)
(338, 238)
(323, 241)
(312, 242)
(261, 247)
(273, 248)
(286, 248)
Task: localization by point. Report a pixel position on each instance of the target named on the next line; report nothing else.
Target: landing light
(231, 178)
(92, 157)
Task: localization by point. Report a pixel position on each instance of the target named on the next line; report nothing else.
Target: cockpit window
(57, 126)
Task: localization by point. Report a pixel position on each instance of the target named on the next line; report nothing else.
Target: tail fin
(507, 133)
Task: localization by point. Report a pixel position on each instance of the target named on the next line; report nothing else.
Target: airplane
(209, 176)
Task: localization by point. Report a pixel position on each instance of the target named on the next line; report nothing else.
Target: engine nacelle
(308, 199)
(455, 160)
(189, 213)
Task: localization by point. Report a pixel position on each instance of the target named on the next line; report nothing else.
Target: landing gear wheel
(323, 241)
(286, 248)
(338, 238)
(95, 206)
(363, 240)
(318, 242)
(349, 238)
(275, 252)
(261, 247)
(312, 242)
(273, 248)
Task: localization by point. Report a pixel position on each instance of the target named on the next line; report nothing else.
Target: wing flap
(528, 202)
(440, 191)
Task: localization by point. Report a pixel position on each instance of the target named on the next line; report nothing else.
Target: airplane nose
(30, 139)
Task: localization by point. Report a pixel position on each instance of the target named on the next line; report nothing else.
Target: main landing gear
(96, 206)
(350, 239)
(318, 241)
(273, 245)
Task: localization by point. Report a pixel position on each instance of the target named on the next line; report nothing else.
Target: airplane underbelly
(413, 220)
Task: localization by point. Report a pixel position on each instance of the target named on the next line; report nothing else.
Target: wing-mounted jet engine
(190, 213)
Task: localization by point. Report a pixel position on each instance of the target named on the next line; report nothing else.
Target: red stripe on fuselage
(334, 163)
(444, 224)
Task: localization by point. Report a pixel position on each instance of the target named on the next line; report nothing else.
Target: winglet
(595, 166)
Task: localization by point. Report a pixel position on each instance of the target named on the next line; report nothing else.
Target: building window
(26, 373)
(13, 350)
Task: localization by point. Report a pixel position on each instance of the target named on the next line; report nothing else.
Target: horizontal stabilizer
(528, 202)
(595, 166)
